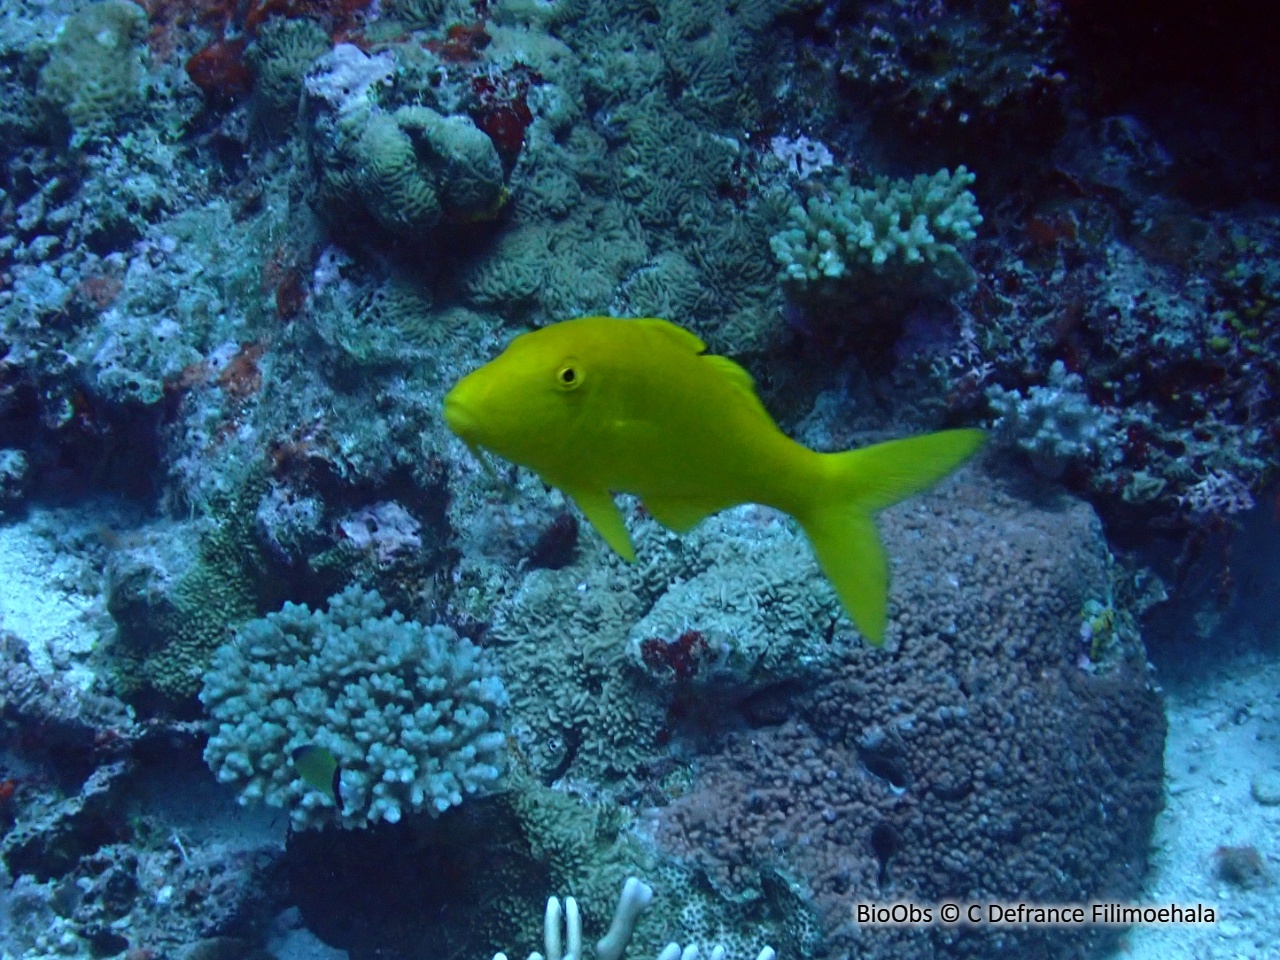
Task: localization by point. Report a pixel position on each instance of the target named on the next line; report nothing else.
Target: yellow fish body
(598, 405)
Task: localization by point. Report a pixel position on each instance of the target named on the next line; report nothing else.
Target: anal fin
(678, 515)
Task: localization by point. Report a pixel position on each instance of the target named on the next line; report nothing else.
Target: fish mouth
(459, 419)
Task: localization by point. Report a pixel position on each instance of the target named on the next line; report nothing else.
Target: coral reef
(718, 656)
(976, 76)
(131, 896)
(1178, 374)
(86, 869)
(246, 247)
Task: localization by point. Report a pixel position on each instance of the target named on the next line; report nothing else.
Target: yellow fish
(319, 769)
(598, 405)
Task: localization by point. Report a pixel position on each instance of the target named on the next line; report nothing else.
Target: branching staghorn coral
(894, 225)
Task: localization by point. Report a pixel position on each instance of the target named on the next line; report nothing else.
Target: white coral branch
(562, 930)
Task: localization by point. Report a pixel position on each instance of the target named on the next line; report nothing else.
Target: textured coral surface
(982, 757)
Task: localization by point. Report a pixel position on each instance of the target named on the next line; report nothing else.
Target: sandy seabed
(1222, 752)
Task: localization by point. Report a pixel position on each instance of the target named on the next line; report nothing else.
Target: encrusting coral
(94, 76)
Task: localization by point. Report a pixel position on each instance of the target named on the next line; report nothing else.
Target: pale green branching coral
(410, 713)
(1056, 425)
(895, 224)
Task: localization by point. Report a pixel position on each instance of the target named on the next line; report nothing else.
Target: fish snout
(459, 419)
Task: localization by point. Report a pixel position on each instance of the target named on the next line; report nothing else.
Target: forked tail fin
(840, 521)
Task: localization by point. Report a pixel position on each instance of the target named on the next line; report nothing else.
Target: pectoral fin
(678, 515)
(507, 490)
(603, 514)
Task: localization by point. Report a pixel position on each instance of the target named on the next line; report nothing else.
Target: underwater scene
(662, 479)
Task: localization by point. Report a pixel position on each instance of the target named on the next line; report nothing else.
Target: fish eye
(568, 376)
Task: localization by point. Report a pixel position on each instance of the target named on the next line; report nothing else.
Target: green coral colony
(411, 714)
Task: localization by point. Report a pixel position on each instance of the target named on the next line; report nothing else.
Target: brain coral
(282, 53)
(978, 757)
(94, 74)
(463, 158)
(390, 182)
(410, 712)
(406, 169)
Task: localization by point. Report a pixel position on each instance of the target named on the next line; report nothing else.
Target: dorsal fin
(723, 366)
(677, 335)
(734, 373)
(740, 380)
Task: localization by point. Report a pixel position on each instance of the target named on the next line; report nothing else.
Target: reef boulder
(987, 754)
